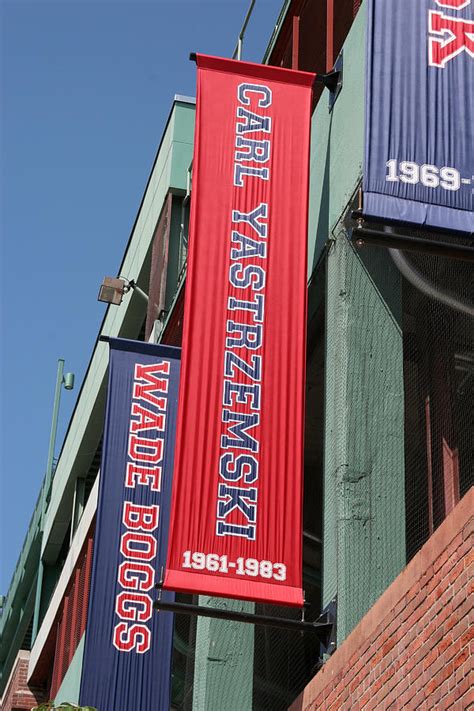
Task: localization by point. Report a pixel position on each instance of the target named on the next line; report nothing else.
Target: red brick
(465, 688)
(468, 636)
(434, 698)
(388, 646)
(461, 626)
(364, 699)
(445, 643)
(409, 610)
(457, 572)
(450, 699)
(443, 674)
(400, 606)
(463, 671)
(357, 662)
(461, 658)
(331, 698)
(441, 615)
(444, 688)
(430, 658)
(441, 582)
(447, 553)
(418, 699)
(440, 633)
(465, 609)
(413, 667)
(415, 655)
(436, 668)
(407, 695)
(468, 529)
(451, 651)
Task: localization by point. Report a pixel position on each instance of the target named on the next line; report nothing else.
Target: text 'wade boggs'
(125, 640)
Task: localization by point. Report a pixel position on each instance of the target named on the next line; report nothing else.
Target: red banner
(236, 521)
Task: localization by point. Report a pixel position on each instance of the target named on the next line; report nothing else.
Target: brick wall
(414, 648)
(18, 695)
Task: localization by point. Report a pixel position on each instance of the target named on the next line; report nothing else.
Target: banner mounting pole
(322, 627)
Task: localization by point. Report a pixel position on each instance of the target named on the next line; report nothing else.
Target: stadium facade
(388, 499)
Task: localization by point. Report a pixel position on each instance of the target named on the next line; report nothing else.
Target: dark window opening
(312, 35)
(439, 387)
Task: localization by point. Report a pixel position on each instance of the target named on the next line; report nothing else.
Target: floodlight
(112, 290)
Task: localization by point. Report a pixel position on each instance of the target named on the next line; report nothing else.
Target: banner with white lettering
(420, 113)
(128, 645)
(236, 521)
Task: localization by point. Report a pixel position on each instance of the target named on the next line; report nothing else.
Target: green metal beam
(223, 669)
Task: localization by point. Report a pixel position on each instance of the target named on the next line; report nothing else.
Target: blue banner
(419, 143)
(128, 645)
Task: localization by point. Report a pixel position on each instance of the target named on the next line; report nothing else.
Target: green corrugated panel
(183, 141)
(364, 521)
(337, 145)
(223, 669)
(70, 685)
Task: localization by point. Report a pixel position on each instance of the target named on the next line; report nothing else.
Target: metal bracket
(322, 627)
(362, 235)
(333, 80)
(329, 645)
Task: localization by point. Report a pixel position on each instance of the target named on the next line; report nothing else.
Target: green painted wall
(337, 141)
(364, 480)
(183, 144)
(223, 667)
(364, 526)
(70, 687)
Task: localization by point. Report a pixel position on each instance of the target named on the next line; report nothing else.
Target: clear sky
(86, 87)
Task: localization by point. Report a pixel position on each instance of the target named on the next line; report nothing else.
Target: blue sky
(86, 88)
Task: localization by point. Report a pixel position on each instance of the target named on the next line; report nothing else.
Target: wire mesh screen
(284, 662)
(438, 354)
(243, 667)
(437, 321)
(184, 652)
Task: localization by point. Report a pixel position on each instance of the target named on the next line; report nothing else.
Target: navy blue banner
(128, 645)
(420, 113)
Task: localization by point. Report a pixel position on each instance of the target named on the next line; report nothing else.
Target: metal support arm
(321, 627)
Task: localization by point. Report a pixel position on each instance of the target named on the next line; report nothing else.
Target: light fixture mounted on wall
(112, 290)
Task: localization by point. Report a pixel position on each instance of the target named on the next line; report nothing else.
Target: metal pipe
(136, 288)
(322, 629)
(131, 284)
(54, 429)
(362, 235)
(47, 485)
(237, 54)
